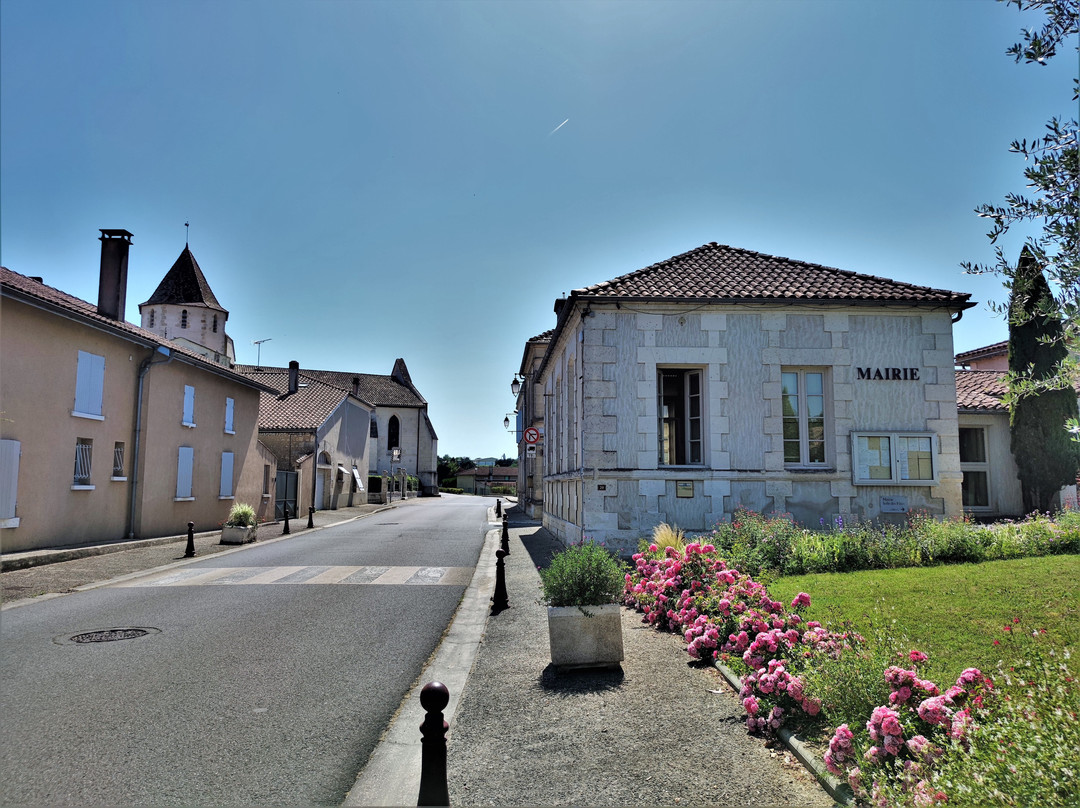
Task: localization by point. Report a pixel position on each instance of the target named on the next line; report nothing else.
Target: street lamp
(515, 385)
(506, 421)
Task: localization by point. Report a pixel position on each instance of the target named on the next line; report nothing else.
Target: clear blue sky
(368, 180)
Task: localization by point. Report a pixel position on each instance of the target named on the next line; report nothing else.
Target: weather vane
(187, 225)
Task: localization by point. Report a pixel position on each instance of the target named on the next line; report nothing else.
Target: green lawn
(953, 613)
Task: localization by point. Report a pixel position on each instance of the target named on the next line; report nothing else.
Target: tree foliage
(448, 467)
(1045, 456)
(1052, 204)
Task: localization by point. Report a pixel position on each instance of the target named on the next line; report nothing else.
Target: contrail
(557, 128)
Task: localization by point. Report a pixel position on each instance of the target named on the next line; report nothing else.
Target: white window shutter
(184, 464)
(9, 476)
(228, 415)
(226, 474)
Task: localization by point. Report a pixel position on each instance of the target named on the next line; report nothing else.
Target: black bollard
(311, 517)
(285, 532)
(505, 535)
(433, 788)
(498, 507)
(499, 600)
(190, 551)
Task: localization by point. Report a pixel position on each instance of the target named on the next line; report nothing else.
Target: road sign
(532, 434)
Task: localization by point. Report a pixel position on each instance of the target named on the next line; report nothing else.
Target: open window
(680, 414)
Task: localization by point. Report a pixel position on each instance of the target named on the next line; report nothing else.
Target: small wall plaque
(894, 505)
(601, 487)
(684, 490)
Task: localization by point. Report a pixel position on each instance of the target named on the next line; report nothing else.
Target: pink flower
(917, 656)
(801, 601)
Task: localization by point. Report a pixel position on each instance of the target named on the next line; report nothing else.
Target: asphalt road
(265, 677)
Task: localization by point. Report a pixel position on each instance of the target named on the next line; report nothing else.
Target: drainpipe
(144, 368)
(419, 415)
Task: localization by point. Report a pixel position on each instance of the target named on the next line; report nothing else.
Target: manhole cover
(110, 635)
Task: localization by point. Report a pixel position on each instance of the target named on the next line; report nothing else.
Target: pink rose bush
(907, 735)
(721, 612)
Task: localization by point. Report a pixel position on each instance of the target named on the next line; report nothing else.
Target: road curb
(391, 775)
(837, 790)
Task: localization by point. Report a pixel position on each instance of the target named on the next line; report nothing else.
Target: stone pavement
(658, 731)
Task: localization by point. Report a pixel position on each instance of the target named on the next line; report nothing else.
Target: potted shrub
(241, 526)
(582, 587)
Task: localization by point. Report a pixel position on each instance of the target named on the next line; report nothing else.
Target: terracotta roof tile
(997, 349)
(980, 390)
(23, 286)
(382, 391)
(308, 408)
(718, 272)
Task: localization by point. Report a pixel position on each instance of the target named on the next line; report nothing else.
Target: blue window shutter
(189, 404)
(228, 415)
(184, 464)
(9, 476)
(89, 383)
(226, 474)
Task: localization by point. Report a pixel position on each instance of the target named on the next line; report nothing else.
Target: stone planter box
(231, 534)
(580, 641)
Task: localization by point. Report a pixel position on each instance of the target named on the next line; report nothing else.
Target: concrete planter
(581, 641)
(232, 534)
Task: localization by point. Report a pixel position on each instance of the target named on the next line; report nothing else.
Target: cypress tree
(1046, 456)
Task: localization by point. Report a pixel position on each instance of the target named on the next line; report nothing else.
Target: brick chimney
(112, 284)
(356, 386)
(294, 376)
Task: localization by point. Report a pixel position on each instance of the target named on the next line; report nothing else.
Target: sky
(373, 180)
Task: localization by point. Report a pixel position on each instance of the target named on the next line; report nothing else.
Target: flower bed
(913, 744)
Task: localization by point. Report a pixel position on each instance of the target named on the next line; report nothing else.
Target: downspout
(315, 468)
(144, 368)
(419, 481)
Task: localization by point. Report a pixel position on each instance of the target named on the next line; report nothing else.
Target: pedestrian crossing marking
(315, 574)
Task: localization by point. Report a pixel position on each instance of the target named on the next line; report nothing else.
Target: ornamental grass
(772, 545)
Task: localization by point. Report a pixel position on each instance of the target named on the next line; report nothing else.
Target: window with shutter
(10, 450)
(89, 386)
(185, 463)
(226, 488)
(189, 406)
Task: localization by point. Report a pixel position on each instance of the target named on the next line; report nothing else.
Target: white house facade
(723, 379)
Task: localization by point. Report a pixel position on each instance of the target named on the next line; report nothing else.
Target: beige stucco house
(399, 421)
(723, 378)
(319, 434)
(109, 431)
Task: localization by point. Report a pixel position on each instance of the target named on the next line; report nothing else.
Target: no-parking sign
(532, 434)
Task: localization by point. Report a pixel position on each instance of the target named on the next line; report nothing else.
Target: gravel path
(660, 731)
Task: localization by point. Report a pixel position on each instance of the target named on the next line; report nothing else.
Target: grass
(953, 613)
